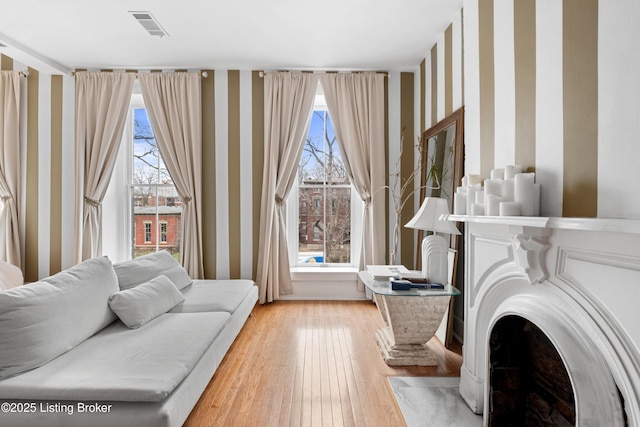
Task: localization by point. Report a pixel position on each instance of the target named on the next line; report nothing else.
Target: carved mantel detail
(528, 254)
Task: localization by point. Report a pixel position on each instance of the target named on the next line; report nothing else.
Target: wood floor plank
(309, 363)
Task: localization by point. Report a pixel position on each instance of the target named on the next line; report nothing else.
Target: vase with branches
(401, 190)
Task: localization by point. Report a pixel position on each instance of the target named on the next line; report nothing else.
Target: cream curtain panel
(102, 103)
(174, 107)
(288, 104)
(10, 166)
(356, 105)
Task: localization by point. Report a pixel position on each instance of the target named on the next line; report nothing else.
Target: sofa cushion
(121, 364)
(137, 305)
(214, 295)
(142, 269)
(42, 320)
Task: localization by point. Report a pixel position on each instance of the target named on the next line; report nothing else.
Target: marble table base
(410, 322)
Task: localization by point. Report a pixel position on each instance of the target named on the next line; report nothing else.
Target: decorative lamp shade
(428, 217)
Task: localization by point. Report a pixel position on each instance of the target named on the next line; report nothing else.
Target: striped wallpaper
(233, 144)
(47, 201)
(404, 127)
(531, 94)
(233, 150)
(441, 76)
(438, 87)
(532, 87)
(530, 79)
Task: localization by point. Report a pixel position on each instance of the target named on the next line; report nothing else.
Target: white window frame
(148, 225)
(117, 227)
(118, 234)
(292, 220)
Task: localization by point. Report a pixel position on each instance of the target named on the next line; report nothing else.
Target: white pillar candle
(471, 197)
(509, 208)
(524, 192)
(479, 196)
(461, 190)
(497, 174)
(493, 186)
(465, 181)
(474, 180)
(477, 209)
(507, 190)
(492, 206)
(460, 203)
(511, 171)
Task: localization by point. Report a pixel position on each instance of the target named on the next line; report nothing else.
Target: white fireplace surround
(578, 280)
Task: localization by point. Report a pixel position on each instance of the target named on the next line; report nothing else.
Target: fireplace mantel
(614, 225)
(578, 280)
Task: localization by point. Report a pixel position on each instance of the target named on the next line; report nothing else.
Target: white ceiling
(238, 34)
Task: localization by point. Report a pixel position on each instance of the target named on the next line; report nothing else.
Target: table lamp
(435, 249)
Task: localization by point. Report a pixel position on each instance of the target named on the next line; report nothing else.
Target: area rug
(432, 402)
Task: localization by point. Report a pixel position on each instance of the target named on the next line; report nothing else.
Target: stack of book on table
(400, 278)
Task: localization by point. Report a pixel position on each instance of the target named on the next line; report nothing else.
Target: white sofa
(67, 359)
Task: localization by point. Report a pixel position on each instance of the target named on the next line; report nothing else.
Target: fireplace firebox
(528, 382)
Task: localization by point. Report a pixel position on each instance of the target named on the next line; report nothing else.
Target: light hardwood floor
(309, 363)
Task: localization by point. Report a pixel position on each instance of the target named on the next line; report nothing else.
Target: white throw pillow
(42, 320)
(10, 276)
(140, 304)
(142, 269)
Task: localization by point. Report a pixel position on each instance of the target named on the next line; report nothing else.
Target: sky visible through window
(148, 167)
(321, 151)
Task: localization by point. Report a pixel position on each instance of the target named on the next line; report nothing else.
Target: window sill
(314, 273)
(325, 283)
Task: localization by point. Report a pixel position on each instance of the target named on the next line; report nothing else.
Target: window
(320, 206)
(163, 232)
(147, 232)
(141, 196)
(154, 199)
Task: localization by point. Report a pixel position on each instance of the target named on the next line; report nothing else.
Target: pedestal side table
(411, 319)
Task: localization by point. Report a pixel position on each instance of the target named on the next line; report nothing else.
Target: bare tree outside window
(148, 165)
(324, 196)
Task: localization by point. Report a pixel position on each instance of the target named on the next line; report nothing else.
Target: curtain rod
(200, 73)
(24, 73)
(384, 73)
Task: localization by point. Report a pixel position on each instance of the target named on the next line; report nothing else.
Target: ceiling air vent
(149, 23)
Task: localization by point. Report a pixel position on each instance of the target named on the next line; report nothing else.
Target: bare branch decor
(400, 193)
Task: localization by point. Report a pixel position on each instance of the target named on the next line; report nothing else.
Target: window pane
(163, 232)
(170, 213)
(147, 232)
(148, 167)
(324, 207)
(157, 216)
(338, 233)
